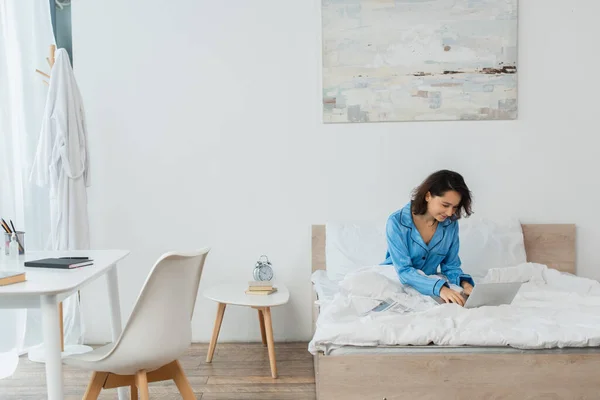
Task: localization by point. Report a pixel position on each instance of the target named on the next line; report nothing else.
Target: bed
(465, 372)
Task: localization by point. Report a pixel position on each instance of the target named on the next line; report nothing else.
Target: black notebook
(63, 263)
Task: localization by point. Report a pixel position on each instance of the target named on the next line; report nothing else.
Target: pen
(5, 226)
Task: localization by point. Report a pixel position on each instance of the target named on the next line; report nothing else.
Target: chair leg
(95, 385)
(187, 393)
(141, 381)
(134, 392)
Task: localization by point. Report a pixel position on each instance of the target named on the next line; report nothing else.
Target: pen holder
(20, 240)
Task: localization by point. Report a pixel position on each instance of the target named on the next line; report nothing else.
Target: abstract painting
(419, 60)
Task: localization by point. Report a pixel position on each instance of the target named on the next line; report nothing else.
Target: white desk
(45, 288)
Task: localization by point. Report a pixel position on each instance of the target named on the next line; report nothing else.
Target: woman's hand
(451, 296)
(467, 288)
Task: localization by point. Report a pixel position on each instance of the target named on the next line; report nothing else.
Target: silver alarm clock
(263, 270)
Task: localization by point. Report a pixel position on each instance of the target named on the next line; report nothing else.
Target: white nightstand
(234, 293)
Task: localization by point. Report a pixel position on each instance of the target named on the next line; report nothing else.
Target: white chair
(157, 333)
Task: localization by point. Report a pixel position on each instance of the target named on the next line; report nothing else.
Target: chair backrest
(159, 329)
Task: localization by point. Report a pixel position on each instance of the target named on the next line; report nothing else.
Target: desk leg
(52, 344)
(115, 314)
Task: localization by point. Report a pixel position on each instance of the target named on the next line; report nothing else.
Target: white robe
(62, 162)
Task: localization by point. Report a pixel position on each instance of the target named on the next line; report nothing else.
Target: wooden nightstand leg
(216, 329)
(270, 343)
(261, 321)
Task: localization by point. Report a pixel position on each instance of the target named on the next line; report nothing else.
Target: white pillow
(486, 244)
(373, 281)
(325, 287)
(352, 245)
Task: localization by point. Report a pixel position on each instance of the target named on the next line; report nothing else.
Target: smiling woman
(424, 235)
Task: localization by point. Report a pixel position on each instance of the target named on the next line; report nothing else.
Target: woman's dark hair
(439, 183)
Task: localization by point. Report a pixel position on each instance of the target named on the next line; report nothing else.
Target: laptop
(490, 294)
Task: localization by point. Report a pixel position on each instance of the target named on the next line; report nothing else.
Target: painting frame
(419, 60)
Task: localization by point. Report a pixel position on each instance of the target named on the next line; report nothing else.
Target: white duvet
(552, 309)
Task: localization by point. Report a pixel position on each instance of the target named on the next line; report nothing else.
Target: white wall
(205, 129)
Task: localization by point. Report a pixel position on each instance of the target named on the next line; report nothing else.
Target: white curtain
(25, 39)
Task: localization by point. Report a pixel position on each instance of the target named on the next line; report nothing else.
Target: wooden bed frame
(432, 372)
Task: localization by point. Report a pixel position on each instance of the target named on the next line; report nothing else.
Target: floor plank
(258, 396)
(242, 380)
(238, 371)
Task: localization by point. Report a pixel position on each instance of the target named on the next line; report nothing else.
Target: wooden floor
(238, 371)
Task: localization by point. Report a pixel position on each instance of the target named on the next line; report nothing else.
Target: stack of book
(260, 287)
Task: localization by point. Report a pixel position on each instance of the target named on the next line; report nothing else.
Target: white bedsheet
(552, 309)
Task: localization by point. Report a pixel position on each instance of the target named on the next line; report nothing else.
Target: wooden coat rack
(50, 60)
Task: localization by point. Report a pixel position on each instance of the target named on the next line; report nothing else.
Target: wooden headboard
(549, 244)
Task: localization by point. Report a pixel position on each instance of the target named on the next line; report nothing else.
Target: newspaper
(388, 305)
